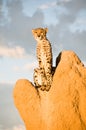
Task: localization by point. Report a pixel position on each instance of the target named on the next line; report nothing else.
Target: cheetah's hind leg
(39, 79)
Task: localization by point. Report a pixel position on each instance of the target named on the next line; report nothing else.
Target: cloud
(61, 2)
(16, 52)
(61, 34)
(73, 5)
(18, 31)
(26, 67)
(79, 24)
(48, 5)
(29, 66)
(20, 127)
(6, 83)
(16, 41)
(73, 8)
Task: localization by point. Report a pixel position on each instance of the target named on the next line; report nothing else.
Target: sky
(66, 23)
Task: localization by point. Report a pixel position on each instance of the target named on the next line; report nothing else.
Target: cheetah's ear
(46, 30)
(32, 30)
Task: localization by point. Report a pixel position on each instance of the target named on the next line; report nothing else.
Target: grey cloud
(0, 2)
(73, 8)
(18, 31)
(61, 35)
(72, 5)
(75, 5)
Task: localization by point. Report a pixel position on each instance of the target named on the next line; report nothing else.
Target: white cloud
(4, 82)
(16, 68)
(20, 127)
(48, 5)
(25, 67)
(29, 66)
(15, 52)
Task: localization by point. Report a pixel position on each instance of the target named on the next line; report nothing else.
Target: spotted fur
(43, 74)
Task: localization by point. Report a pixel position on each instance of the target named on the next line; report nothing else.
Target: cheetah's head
(39, 33)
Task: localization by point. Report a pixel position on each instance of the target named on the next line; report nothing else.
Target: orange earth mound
(63, 107)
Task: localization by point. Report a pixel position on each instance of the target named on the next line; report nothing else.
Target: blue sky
(17, 45)
(66, 23)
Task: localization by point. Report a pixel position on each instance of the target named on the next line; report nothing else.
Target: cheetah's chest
(42, 52)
